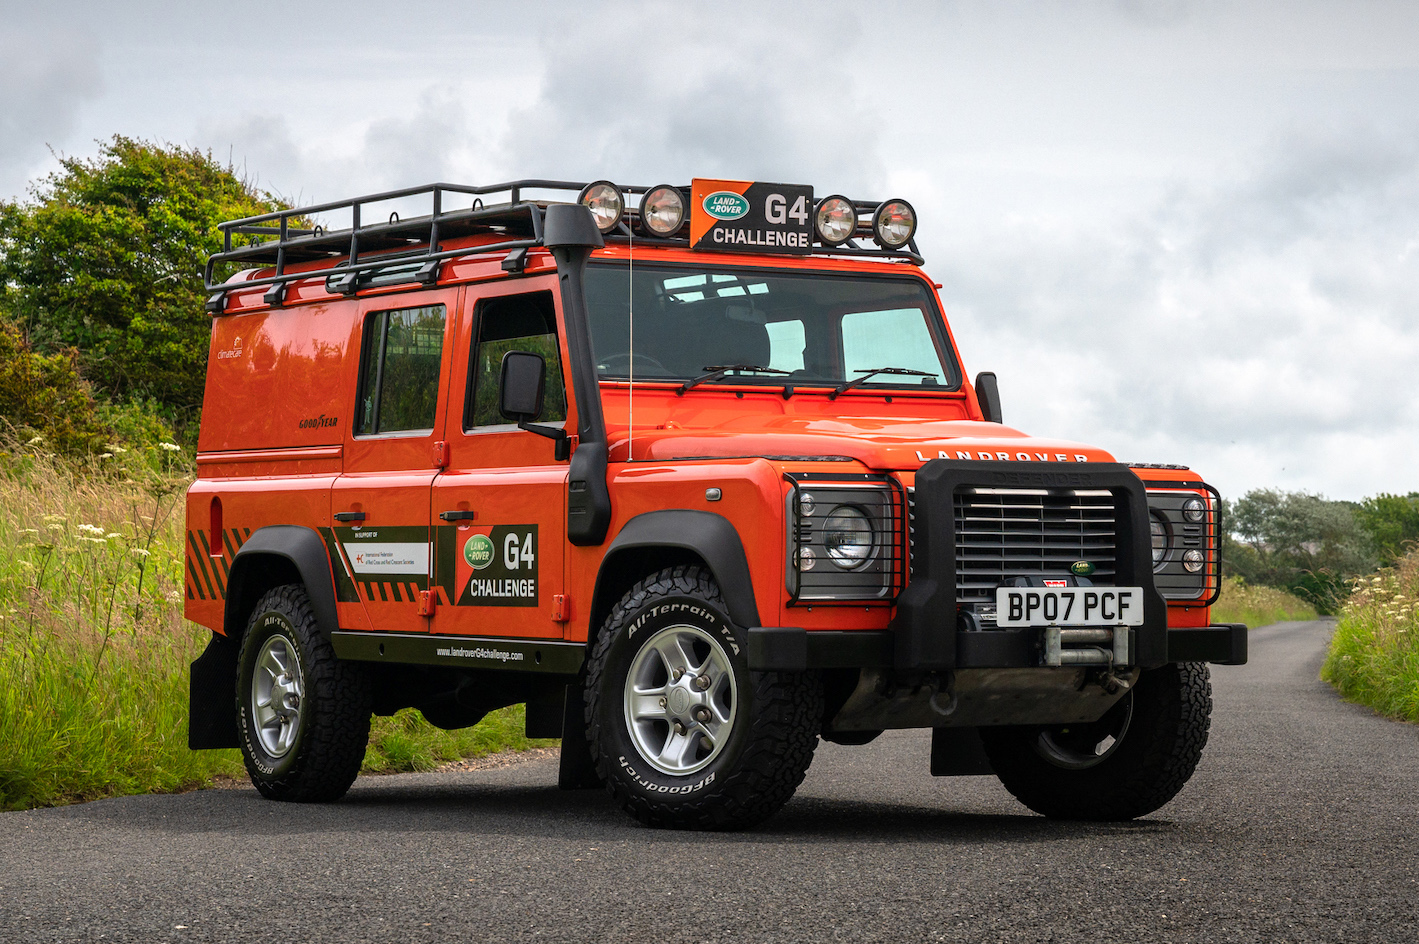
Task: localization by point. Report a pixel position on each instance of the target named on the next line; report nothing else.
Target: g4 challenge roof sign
(744, 216)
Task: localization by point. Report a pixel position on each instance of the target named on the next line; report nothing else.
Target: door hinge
(561, 607)
(427, 602)
(441, 454)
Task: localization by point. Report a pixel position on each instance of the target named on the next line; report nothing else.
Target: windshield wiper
(717, 372)
(868, 374)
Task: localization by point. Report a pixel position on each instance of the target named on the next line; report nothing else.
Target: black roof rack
(277, 240)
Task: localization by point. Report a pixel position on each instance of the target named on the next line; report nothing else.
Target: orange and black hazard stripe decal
(206, 573)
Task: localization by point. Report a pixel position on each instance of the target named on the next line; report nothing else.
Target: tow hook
(1113, 684)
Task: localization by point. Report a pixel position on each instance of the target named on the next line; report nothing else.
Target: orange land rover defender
(699, 479)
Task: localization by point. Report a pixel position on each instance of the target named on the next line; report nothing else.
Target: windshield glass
(801, 329)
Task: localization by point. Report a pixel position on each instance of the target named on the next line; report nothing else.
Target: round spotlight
(806, 504)
(662, 211)
(835, 218)
(806, 558)
(1194, 510)
(894, 224)
(1192, 561)
(605, 202)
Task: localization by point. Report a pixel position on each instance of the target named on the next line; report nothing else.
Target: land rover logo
(478, 552)
(1081, 568)
(726, 205)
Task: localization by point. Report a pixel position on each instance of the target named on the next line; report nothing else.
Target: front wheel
(682, 733)
(303, 715)
(1126, 764)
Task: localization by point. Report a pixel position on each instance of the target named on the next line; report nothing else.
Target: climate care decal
(741, 216)
(496, 566)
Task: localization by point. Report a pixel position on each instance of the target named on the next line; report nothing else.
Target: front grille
(1004, 533)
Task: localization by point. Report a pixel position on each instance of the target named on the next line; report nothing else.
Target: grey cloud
(46, 74)
(1273, 310)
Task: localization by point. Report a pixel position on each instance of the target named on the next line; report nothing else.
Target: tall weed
(94, 649)
(1374, 654)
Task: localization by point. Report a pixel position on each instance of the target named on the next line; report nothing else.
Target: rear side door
(499, 510)
(393, 451)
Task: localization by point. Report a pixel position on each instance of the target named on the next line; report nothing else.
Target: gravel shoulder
(1300, 825)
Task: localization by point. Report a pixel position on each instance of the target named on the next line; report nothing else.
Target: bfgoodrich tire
(303, 716)
(682, 733)
(1128, 763)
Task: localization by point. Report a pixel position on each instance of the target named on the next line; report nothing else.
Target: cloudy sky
(1184, 231)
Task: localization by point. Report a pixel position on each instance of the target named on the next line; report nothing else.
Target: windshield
(823, 329)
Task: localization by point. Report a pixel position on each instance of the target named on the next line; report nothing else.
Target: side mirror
(522, 386)
(988, 393)
(521, 389)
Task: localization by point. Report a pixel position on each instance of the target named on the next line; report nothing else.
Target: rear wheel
(303, 715)
(682, 733)
(1126, 764)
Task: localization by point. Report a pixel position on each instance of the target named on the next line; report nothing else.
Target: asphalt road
(1300, 825)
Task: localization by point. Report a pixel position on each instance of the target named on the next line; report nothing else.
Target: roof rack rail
(277, 240)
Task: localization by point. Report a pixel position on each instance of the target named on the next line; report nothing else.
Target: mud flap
(211, 706)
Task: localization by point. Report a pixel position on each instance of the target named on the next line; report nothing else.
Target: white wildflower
(91, 529)
(115, 448)
(105, 455)
(112, 534)
(170, 447)
(36, 441)
(141, 552)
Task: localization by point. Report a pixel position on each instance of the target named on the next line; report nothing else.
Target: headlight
(845, 538)
(847, 534)
(1193, 561)
(605, 202)
(662, 211)
(1159, 534)
(1194, 510)
(835, 219)
(894, 224)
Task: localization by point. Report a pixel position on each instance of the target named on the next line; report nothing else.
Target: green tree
(106, 258)
(1297, 541)
(1392, 522)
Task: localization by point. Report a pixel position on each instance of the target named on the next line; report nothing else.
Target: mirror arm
(563, 449)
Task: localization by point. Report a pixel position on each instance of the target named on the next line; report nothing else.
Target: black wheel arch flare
(696, 534)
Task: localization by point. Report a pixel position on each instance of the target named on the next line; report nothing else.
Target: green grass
(1374, 654)
(1242, 602)
(94, 648)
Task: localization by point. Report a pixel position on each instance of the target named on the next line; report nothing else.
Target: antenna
(631, 296)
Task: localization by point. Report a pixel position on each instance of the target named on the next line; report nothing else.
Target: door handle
(458, 515)
(349, 516)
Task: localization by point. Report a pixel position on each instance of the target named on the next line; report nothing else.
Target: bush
(44, 396)
(1374, 655)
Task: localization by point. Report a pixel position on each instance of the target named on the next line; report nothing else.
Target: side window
(399, 373)
(513, 323)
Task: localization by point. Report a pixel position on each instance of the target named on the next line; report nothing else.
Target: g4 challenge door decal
(490, 566)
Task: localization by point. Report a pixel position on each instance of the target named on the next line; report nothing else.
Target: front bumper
(789, 649)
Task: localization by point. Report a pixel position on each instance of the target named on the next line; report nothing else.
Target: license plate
(1069, 606)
